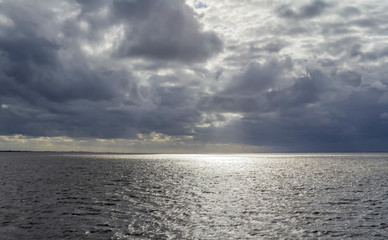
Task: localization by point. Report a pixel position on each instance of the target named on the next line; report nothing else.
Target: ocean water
(256, 196)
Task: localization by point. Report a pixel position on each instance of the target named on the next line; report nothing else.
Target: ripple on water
(59, 196)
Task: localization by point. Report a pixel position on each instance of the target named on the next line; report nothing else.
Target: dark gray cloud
(353, 125)
(53, 89)
(350, 11)
(258, 77)
(314, 113)
(313, 9)
(164, 30)
(254, 93)
(349, 77)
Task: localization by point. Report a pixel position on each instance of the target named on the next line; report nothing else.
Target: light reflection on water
(251, 196)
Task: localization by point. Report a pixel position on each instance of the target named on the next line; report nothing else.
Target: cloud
(350, 12)
(282, 75)
(170, 31)
(350, 77)
(384, 116)
(258, 77)
(311, 10)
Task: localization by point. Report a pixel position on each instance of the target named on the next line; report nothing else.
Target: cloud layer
(280, 75)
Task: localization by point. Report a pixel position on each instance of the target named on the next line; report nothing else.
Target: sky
(194, 76)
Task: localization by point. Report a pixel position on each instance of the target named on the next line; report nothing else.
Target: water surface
(256, 196)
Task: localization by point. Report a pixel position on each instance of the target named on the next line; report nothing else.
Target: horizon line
(133, 153)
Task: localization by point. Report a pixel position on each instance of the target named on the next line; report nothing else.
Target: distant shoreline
(75, 152)
(133, 153)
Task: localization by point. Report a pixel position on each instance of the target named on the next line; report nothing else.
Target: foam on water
(85, 196)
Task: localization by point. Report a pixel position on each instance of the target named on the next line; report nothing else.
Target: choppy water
(69, 196)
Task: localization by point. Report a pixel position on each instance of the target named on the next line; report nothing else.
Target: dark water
(68, 196)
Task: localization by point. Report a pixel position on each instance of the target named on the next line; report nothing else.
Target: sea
(193, 196)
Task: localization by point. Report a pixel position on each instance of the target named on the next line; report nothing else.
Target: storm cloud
(169, 31)
(281, 75)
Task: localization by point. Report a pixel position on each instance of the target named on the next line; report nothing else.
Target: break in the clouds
(172, 75)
